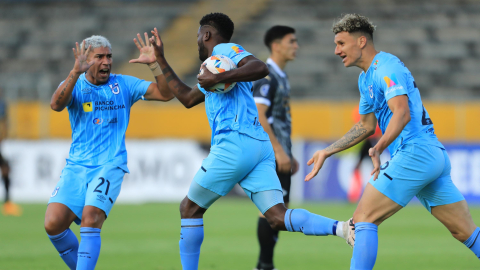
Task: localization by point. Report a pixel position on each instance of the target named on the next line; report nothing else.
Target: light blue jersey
(386, 78)
(234, 110)
(99, 116)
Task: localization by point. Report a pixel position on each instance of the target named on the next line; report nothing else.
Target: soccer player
(98, 104)
(419, 165)
(241, 151)
(9, 208)
(272, 97)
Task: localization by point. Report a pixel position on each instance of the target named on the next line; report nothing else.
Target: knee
(461, 236)
(276, 223)
(365, 216)
(93, 218)
(54, 225)
(189, 209)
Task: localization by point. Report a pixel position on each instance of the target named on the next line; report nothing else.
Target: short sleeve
(364, 107)
(232, 51)
(136, 87)
(264, 91)
(201, 89)
(392, 81)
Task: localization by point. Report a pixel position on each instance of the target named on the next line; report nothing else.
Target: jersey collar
(84, 78)
(374, 61)
(277, 69)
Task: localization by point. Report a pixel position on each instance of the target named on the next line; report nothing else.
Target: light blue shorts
(237, 158)
(418, 170)
(97, 186)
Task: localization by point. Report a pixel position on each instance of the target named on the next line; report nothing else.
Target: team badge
(115, 88)
(370, 90)
(384, 166)
(54, 193)
(264, 89)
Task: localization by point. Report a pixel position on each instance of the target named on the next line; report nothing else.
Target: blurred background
(439, 41)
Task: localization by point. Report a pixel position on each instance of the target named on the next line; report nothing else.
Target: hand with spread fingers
(206, 78)
(375, 155)
(157, 44)
(147, 54)
(317, 160)
(81, 59)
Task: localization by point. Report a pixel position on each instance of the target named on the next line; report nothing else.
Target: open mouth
(343, 58)
(104, 72)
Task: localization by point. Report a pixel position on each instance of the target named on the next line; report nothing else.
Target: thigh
(58, 218)
(104, 187)
(456, 217)
(264, 200)
(374, 206)
(201, 196)
(71, 189)
(441, 191)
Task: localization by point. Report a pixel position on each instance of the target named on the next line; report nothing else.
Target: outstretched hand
(317, 160)
(206, 78)
(147, 54)
(157, 43)
(81, 65)
(375, 155)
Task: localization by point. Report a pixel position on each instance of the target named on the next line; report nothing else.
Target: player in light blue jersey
(240, 151)
(98, 105)
(419, 164)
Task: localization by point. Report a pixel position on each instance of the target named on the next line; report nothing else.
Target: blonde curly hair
(352, 23)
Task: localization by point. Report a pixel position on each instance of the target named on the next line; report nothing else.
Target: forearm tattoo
(355, 132)
(62, 94)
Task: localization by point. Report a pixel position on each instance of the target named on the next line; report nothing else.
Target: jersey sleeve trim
(261, 100)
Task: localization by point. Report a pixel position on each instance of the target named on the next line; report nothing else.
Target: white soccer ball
(218, 64)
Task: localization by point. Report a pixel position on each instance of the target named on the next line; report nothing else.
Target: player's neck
(280, 61)
(366, 60)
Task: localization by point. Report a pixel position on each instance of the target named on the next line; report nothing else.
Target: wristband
(155, 68)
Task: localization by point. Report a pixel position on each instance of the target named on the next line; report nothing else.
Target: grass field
(146, 237)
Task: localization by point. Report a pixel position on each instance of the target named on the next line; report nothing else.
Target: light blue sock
(66, 244)
(300, 220)
(191, 238)
(473, 243)
(89, 249)
(366, 246)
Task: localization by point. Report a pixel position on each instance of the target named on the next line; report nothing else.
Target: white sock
(340, 229)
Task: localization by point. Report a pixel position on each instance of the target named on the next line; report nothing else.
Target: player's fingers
(140, 40)
(74, 53)
(88, 50)
(147, 42)
(133, 61)
(310, 161)
(78, 47)
(137, 44)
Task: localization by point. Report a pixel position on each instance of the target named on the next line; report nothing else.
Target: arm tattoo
(356, 131)
(63, 90)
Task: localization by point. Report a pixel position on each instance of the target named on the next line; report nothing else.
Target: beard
(202, 52)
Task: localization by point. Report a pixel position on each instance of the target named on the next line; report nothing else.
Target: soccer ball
(218, 64)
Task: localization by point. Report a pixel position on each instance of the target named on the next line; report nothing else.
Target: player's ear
(207, 35)
(362, 41)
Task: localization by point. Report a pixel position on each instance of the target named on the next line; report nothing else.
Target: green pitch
(146, 236)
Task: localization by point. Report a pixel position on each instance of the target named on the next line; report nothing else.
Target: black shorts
(285, 181)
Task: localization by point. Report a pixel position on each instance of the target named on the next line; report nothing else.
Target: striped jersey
(274, 91)
(387, 77)
(99, 116)
(236, 109)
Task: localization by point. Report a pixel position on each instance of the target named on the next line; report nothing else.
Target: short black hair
(276, 32)
(221, 22)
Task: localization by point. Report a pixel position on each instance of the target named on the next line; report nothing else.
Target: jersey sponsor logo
(115, 88)
(264, 89)
(97, 121)
(392, 83)
(86, 90)
(55, 192)
(237, 50)
(108, 105)
(87, 106)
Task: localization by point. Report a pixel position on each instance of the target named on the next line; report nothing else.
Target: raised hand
(147, 54)
(81, 62)
(375, 155)
(157, 43)
(318, 159)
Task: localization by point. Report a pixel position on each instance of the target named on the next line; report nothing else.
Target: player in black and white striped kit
(272, 97)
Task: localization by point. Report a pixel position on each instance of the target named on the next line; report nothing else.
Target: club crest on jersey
(54, 193)
(115, 88)
(264, 89)
(370, 90)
